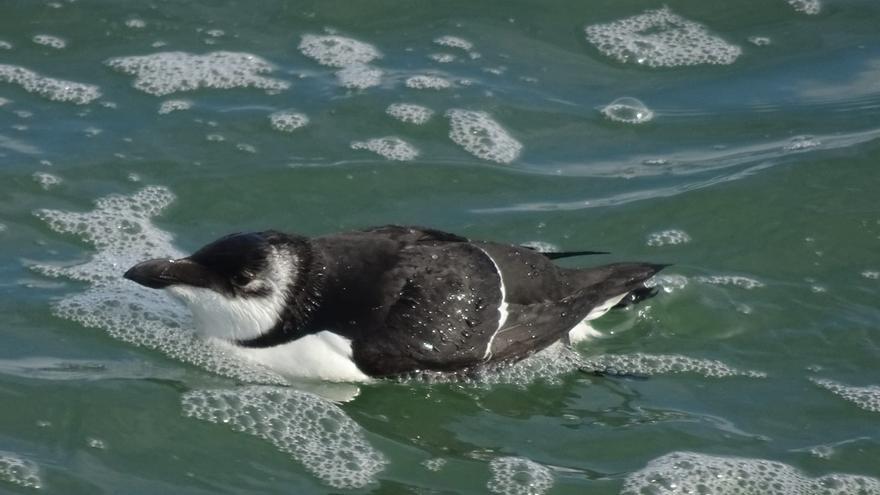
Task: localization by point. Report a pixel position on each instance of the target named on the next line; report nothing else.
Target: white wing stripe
(502, 307)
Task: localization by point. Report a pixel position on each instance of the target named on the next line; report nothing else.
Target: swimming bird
(387, 301)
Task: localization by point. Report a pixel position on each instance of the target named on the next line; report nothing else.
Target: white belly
(320, 356)
(583, 330)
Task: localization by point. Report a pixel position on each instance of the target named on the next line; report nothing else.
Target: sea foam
(47, 87)
(482, 136)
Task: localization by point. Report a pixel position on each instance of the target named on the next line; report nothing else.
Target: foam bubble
(247, 148)
(315, 432)
(337, 51)
(4, 101)
(735, 280)
(519, 476)
(809, 7)
(46, 180)
(391, 147)
(443, 58)
(670, 237)
(628, 110)
(660, 38)
(5, 45)
(427, 82)
(169, 106)
(169, 72)
(664, 364)
(435, 464)
(215, 33)
(541, 246)
(759, 40)
(50, 41)
(802, 143)
(868, 398)
(18, 470)
(409, 113)
(288, 121)
(121, 230)
(47, 87)
(136, 23)
(688, 472)
(96, 443)
(871, 274)
(454, 42)
(359, 76)
(481, 136)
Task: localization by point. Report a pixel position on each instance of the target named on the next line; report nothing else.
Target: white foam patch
(121, 229)
(359, 76)
(50, 41)
(871, 274)
(442, 58)
(288, 121)
(46, 181)
(688, 472)
(868, 398)
(735, 280)
(410, 113)
(315, 432)
(660, 38)
(665, 364)
(628, 110)
(810, 7)
(802, 143)
(169, 106)
(19, 471)
(481, 136)
(519, 476)
(670, 237)
(435, 464)
(759, 40)
(390, 147)
(5, 45)
(170, 72)
(47, 87)
(427, 82)
(135, 23)
(337, 51)
(541, 246)
(668, 282)
(454, 42)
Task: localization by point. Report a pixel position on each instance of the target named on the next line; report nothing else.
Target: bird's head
(237, 287)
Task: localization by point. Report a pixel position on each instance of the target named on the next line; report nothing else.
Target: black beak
(158, 274)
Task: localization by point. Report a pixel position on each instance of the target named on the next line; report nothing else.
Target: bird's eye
(242, 279)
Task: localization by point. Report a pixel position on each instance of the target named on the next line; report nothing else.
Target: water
(754, 371)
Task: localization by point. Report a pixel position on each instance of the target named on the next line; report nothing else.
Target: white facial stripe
(241, 317)
(502, 307)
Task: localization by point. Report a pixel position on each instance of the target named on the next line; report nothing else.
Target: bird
(388, 301)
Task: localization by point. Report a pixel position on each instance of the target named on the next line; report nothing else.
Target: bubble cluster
(337, 51)
(688, 472)
(121, 230)
(759, 40)
(5, 45)
(665, 364)
(481, 136)
(52, 89)
(802, 143)
(735, 280)
(410, 113)
(288, 121)
(519, 476)
(442, 58)
(169, 106)
(435, 464)
(871, 274)
(50, 41)
(868, 398)
(46, 181)
(454, 42)
(390, 147)
(668, 238)
(18, 470)
(660, 38)
(135, 23)
(628, 110)
(314, 431)
(809, 7)
(164, 73)
(427, 82)
(359, 76)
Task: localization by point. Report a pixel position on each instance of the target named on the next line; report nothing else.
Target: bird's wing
(413, 234)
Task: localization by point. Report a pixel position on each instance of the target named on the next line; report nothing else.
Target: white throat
(241, 317)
